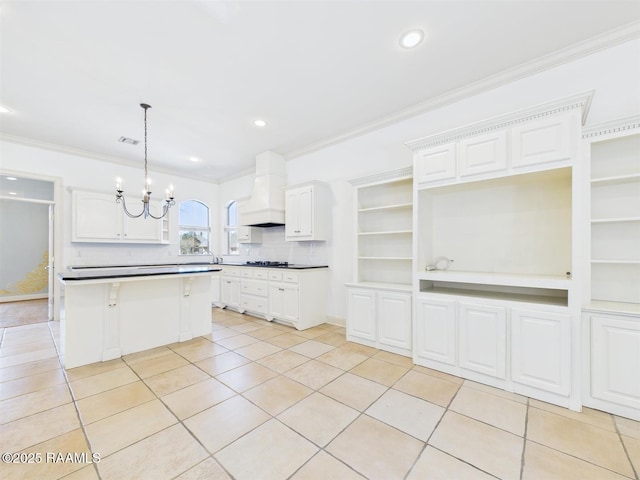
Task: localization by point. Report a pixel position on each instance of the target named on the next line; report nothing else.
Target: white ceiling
(75, 72)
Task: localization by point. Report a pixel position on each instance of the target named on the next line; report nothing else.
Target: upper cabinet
(307, 212)
(522, 142)
(249, 234)
(96, 217)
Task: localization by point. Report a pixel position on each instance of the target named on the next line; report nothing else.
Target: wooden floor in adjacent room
(14, 314)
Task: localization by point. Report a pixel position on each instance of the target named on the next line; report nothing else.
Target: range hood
(265, 208)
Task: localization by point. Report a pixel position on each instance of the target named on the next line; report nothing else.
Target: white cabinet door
(144, 229)
(394, 319)
(284, 302)
(230, 291)
(615, 359)
(483, 154)
(435, 330)
(540, 350)
(483, 339)
(299, 212)
(361, 314)
(96, 217)
(434, 164)
(543, 141)
(249, 234)
(215, 288)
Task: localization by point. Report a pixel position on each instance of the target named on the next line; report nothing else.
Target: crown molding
(29, 142)
(579, 101)
(390, 175)
(576, 51)
(613, 127)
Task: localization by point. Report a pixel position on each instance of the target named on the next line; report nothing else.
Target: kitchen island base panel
(107, 319)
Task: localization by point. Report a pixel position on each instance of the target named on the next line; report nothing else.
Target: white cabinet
(483, 342)
(230, 287)
(552, 139)
(435, 330)
(361, 314)
(436, 164)
(614, 366)
(483, 154)
(307, 211)
(96, 217)
(540, 353)
(284, 302)
(379, 318)
(254, 294)
(393, 312)
(249, 234)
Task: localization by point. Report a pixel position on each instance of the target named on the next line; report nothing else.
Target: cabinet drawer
(254, 287)
(260, 274)
(277, 276)
(255, 304)
(231, 272)
(246, 273)
(290, 277)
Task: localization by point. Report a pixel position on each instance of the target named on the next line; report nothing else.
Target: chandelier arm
(165, 210)
(126, 210)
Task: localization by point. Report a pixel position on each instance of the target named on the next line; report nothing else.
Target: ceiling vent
(128, 140)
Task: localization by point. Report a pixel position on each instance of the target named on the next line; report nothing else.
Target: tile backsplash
(272, 248)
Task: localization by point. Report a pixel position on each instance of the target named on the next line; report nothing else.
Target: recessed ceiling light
(194, 159)
(4, 109)
(13, 193)
(13, 179)
(412, 38)
(260, 123)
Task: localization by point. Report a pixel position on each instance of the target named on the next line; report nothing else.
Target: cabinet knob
(281, 289)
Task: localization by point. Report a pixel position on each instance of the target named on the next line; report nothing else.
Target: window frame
(186, 228)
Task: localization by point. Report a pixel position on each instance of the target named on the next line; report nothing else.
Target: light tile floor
(256, 400)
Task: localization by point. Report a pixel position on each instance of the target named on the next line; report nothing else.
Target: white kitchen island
(113, 311)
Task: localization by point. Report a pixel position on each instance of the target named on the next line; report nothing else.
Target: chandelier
(146, 193)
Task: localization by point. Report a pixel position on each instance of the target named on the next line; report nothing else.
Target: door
(96, 217)
(435, 330)
(394, 319)
(361, 314)
(147, 229)
(533, 333)
(615, 359)
(483, 339)
(50, 265)
(284, 302)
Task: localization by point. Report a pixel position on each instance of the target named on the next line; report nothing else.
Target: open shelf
(545, 296)
(616, 179)
(387, 207)
(395, 232)
(498, 279)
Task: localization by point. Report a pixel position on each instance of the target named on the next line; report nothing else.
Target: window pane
(194, 213)
(232, 214)
(194, 242)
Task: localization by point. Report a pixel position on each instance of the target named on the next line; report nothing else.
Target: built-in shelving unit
(384, 221)
(615, 220)
(379, 299)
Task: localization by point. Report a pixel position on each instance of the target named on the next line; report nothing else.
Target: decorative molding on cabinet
(581, 100)
(383, 176)
(615, 126)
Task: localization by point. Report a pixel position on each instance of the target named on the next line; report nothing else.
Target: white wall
(614, 74)
(74, 171)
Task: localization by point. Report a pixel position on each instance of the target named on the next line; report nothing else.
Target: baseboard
(338, 321)
(20, 298)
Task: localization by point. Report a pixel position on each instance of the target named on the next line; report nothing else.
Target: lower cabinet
(435, 331)
(284, 302)
(613, 370)
(501, 343)
(483, 338)
(379, 318)
(540, 353)
(230, 291)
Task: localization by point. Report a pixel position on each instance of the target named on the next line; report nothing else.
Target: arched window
(194, 228)
(231, 228)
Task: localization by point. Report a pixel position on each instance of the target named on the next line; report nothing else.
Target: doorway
(27, 246)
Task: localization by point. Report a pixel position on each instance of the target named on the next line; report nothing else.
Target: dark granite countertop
(94, 273)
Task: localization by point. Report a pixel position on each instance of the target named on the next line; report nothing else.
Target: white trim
(581, 49)
(20, 298)
(30, 142)
(613, 127)
(381, 177)
(580, 100)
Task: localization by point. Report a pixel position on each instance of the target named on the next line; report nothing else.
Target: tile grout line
(624, 447)
(524, 440)
(75, 406)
